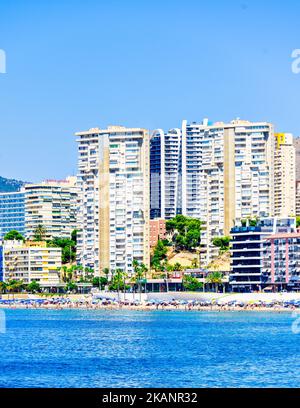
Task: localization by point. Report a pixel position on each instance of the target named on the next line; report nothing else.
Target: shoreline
(145, 308)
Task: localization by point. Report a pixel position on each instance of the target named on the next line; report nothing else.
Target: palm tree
(40, 233)
(78, 270)
(3, 287)
(106, 272)
(215, 278)
(63, 272)
(139, 271)
(89, 274)
(177, 267)
(119, 279)
(15, 286)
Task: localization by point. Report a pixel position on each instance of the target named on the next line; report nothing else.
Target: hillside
(10, 185)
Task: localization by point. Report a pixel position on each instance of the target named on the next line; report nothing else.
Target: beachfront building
(265, 254)
(296, 143)
(216, 172)
(284, 176)
(113, 210)
(157, 231)
(1, 262)
(51, 204)
(12, 212)
(297, 204)
(31, 261)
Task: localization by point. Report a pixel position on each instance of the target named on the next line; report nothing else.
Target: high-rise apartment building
(113, 211)
(166, 174)
(296, 142)
(284, 176)
(12, 212)
(53, 205)
(224, 172)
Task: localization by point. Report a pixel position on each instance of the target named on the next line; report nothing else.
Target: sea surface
(81, 348)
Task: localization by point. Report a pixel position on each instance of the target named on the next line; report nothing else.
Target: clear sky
(72, 65)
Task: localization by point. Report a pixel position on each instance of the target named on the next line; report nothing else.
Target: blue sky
(72, 65)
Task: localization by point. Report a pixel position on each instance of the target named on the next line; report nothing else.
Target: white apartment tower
(284, 176)
(113, 211)
(224, 173)
(51, 204)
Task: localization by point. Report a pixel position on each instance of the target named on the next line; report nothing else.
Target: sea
(104, 348)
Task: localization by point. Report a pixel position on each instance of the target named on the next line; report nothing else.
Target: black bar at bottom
(88, 398)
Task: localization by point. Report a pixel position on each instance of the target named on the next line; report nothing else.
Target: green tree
(15, 286)
(215, 278)
(139, 274)
(74, 236)
(68, 247)
(185, 232)
(3, 287)
(118, 281)
(100, 282)
(13, 235)
(106, 273)
(159, 255)
(195, 263)
(222, 243)
(33, 287)
(40, 233)
(177, 267)
(298, 222)
(71, 287)
(191, 284)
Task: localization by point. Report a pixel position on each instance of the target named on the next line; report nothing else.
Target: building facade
(165, 174)
(31, 261)
(53, 205)
(157, 231)
(113, 210)
(12, 213)
(1, 262)
(296, 142)
(284, 176)
(220, 173)
(265, 254)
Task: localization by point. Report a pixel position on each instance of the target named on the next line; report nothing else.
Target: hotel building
(12, 213)
(113, 210)
(221, 173)
(53, 205)
(284, 176)
(265, 254)
(31, 261)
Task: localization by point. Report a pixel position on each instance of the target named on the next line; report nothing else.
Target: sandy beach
(272, 302)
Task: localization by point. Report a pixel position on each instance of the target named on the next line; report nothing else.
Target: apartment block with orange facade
(157, 231)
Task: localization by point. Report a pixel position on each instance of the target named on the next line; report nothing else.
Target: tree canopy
(14, 235)
(68, 247)
(222, 243)
(191, 284)
(185, 232)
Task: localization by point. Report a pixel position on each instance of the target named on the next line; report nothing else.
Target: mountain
(9, 185)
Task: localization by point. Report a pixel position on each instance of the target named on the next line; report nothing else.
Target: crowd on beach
(88, 302)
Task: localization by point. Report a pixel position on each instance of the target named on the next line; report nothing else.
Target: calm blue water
(74, 348)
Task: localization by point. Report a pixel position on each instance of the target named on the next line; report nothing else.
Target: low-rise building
(157, 231)
(31, 261)
(265, 254)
